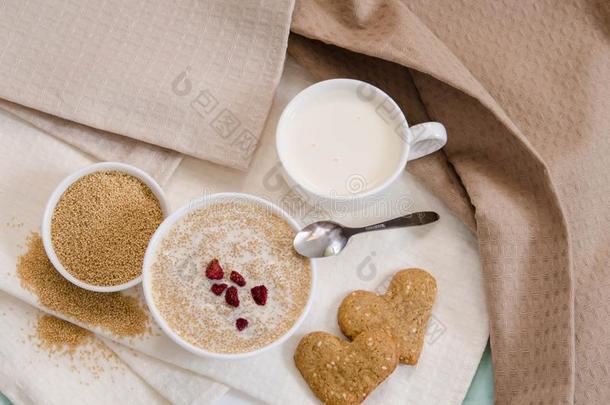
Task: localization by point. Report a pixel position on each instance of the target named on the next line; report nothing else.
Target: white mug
(417, 141)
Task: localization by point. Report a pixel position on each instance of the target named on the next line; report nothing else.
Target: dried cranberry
(241, 324)
(238, 279)
(218, 288)
(214, 270)
(259, 294)
(231, 297)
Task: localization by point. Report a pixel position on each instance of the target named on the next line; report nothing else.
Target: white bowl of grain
(246, 234)
(97, 224)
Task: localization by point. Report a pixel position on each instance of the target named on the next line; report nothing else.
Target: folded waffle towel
(96, 371)
(196, 77)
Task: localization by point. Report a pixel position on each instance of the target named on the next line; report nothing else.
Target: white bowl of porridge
(222, 279)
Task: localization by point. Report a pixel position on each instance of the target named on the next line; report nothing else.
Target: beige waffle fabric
(197, 77)
(523, 88)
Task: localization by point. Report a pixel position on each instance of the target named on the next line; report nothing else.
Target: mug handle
(426, 138)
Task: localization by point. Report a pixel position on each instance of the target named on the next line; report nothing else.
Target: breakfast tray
(458, 329)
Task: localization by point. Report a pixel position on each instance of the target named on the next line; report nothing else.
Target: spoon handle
(413, 219)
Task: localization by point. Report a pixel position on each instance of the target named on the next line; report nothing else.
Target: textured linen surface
(28, 374)
(523, 89)
(194, 76)
(456, 335)
(160, 163)
(93, 373)
(177, 385)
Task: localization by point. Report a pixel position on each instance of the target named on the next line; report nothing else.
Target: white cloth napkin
(29, 374)
(457, 332)
(58, 379)
(160, 163)
(177, 385)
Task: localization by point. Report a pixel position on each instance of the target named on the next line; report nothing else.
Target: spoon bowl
(320, 239)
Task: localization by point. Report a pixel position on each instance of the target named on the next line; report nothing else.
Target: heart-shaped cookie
(341, 372)
(403, 311)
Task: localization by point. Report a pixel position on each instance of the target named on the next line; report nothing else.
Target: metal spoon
(327, 238)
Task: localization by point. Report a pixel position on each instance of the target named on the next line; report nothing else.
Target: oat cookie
(403, 311)
(341, 372)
